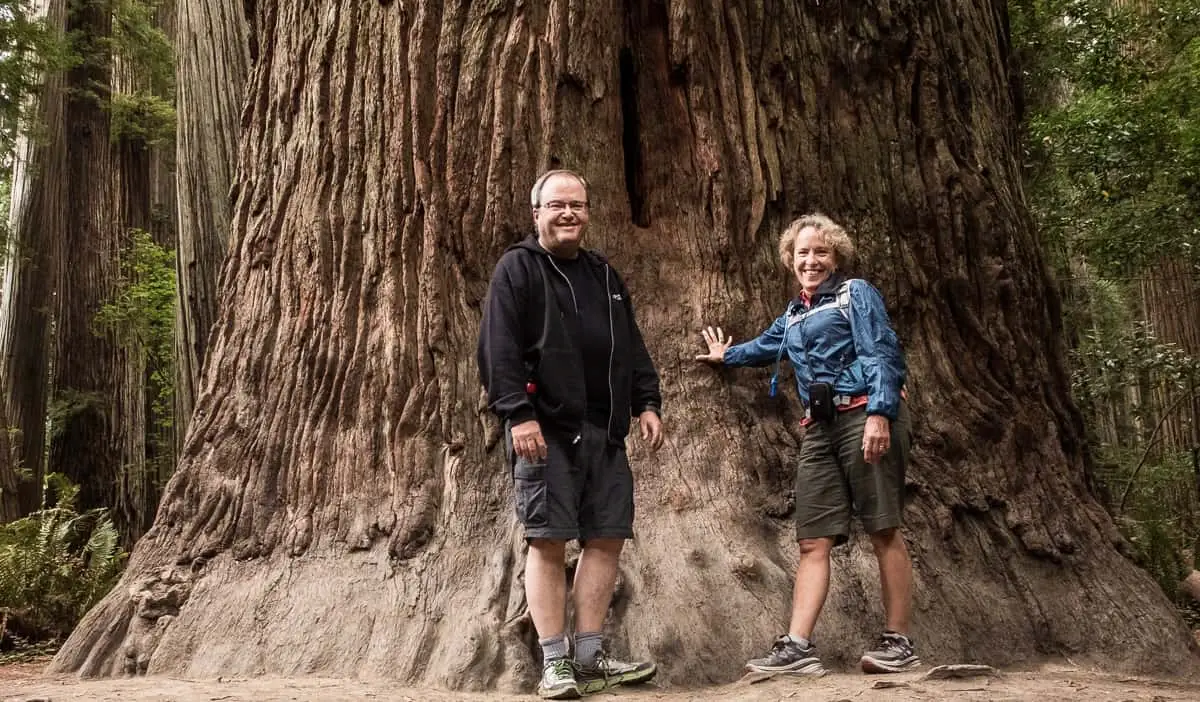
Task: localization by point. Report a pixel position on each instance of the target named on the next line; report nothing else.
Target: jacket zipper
(612, 344)
(575, 301)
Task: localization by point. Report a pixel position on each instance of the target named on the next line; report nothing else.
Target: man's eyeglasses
(558, 206)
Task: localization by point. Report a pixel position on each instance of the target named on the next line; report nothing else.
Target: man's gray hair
(535, 195)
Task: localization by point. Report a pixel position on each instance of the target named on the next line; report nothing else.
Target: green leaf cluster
(146, 113)
(141, 312)
(28, 48)
(1113, 141)
(56, 563)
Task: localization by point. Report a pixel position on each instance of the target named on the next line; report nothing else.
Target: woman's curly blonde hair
(835, 237)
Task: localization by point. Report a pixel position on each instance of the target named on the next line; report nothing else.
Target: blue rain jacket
(852, 346)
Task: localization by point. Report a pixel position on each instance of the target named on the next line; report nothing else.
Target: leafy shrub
(54, 565)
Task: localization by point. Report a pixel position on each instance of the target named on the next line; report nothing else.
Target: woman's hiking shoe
(893, 653)
(787, 656)
(558, 680)
(605, 672)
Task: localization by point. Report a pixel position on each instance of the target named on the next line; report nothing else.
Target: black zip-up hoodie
(527, 342)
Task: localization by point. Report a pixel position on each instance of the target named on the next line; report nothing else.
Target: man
(850, 374)
(565, 368)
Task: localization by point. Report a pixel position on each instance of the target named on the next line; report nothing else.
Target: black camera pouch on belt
(820, 402)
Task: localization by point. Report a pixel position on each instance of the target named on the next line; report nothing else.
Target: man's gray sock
(804, 643)
(554, 648)
(587, 645)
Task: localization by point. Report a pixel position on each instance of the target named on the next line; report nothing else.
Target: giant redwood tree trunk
(341, 506)
(35, 232)
(99, 431)
(213, 59)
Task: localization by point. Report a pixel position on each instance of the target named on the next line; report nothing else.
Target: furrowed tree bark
(93, 442)
(213, 60)
(341, 506)
(145, 196)
(162, 429)
(36, 224)
(1170, 296)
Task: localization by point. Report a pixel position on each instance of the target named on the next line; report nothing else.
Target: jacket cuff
(889, 412)
(521, 414)
(648, 408)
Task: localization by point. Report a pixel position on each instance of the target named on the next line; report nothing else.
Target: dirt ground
(1052, 683)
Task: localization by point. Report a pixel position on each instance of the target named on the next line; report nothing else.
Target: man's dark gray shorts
(833, 480)
(583, 490)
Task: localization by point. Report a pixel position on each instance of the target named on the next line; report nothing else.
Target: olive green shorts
(833, 481)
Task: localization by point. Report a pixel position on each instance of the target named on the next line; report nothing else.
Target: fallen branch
(959, 670)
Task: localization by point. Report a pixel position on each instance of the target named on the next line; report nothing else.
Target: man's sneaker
(558, 681)
(787, 656)
(605, 672)
(893, 653)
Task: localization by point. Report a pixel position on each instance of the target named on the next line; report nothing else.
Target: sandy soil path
(1050, 683)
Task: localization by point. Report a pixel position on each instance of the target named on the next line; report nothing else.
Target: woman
(849, 373)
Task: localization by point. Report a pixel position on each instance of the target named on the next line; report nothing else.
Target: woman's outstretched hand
(717, 344)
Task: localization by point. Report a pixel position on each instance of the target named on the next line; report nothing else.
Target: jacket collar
(530, 243)
(828, 288)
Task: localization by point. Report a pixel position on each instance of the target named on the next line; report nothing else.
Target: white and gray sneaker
(893, 653)
(787, 656)
(605, 672)
(558, 680)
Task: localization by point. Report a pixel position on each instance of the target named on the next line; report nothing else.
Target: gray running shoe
(893, 653)
(605, 672)
(558, 681)
(787, 656)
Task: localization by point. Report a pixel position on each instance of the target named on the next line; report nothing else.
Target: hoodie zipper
(575, 301)
(612, 344)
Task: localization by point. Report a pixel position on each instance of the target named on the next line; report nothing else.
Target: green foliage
(28, 48)
(66, 405)
(1160, 515)
(55, 564)
(1114, 137)
(1107, 364)
(143, 116)
(141, 314)
(147, 113)
(1112, 157)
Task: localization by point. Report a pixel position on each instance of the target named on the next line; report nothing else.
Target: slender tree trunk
(1171, 304)
(161, 423)
(145, 199)
(213, 60)
(340, 505)
(94, 443)
(27, 296)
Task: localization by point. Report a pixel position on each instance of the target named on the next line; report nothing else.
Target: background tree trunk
(213, 59)
(36, 226)
(340, 505)
(145, 196)
(98, 419)
(1170, 296)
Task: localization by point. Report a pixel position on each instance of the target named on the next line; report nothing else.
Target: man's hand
(528, 442)
(717, 344)
(877, 438)
(652, 430)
